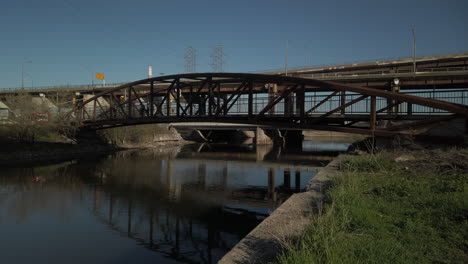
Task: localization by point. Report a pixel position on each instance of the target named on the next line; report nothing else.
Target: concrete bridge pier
(271, 185)
(293, 138)
(287, 179)
(268, 137)
(261, 138)
(298, 181)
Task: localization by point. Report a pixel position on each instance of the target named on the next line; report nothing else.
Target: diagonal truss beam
(236, 93)
(315, 120)
(221, 91)
(438, 104)
(322, 102)
(283, 95)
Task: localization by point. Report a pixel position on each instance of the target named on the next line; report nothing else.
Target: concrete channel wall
(289, 220)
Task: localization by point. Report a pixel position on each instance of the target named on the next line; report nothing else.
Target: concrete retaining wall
(289, 220)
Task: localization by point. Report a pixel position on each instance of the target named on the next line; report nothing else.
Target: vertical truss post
(111, 105)
(210, 100)
(177, 90)
(272, 93)
(289, 104)
(373, 113)
(300, 103)
(201, 105)
(410, 108)
(203, 98)
(191, 101)
(343, 101)
(225, 107)
(250, 107)
(82, 113)
(151, 96)
(396, 89)
(129, 102)
(218, 98)
(168, 101)
(94, 110)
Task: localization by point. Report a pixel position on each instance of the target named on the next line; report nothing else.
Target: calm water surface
(187, 204)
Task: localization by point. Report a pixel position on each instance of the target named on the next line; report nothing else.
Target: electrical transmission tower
(190, 57)
(217, 58)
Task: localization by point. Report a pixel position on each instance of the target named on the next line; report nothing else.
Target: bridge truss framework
(269, 101)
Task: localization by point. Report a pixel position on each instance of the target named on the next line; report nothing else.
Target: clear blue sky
(68, 40)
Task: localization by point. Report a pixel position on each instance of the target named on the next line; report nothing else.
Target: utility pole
(414, 50)
(286, 59)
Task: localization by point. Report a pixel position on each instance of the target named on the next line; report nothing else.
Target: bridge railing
(85, 87)
(377, 72)
(363, 107)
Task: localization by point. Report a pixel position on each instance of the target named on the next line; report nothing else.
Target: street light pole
(286, 59)
(22, 73)
(414, 50)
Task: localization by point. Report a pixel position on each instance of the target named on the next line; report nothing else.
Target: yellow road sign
(99, 76)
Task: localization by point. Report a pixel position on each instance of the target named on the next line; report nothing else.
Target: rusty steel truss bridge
(269, 102)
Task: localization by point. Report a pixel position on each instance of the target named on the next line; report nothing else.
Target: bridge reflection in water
(185, 206)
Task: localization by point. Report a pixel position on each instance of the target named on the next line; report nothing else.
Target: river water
(188, 204)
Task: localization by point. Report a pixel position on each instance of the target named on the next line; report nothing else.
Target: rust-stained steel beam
(373, 113)
(102, 109)
(285, 93)
(151, 98)
(226, 102)
(322, 102)
(451, 107)
(250, 103)
(339, 108)
(236, 95)
(119, 104)
(221, 91)
(139, 100)
(129, 102)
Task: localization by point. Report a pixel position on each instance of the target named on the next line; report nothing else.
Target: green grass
(380, 211)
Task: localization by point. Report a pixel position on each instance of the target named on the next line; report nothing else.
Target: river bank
(393, 207)
(16, 154)
(56, 148)
(398, 206)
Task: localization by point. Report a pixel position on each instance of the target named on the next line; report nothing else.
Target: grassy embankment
(382, 211)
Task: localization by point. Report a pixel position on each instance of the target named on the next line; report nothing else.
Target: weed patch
(382, 211)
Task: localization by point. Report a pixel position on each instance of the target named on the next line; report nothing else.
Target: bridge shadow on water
(187, 204)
